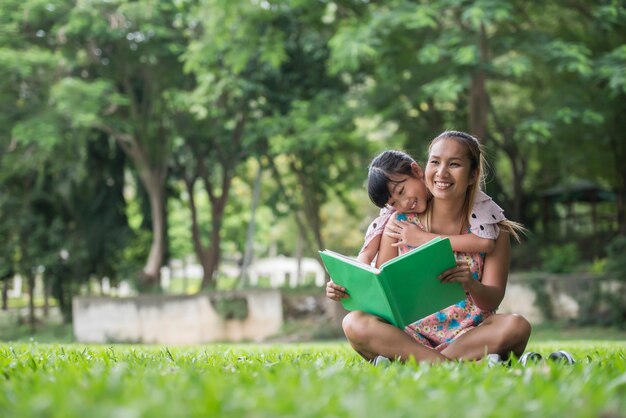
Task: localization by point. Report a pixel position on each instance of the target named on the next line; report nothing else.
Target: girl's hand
(335, 292)
(407, 233)
(460, 274)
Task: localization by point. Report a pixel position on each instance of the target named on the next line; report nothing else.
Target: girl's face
(448, 172)
(408, 193)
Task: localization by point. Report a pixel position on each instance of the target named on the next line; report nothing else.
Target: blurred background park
(192, 147)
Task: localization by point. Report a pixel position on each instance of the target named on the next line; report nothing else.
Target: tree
(30, 135)
(128, 55)
(314, 151)
(500, 70)
(231, 48)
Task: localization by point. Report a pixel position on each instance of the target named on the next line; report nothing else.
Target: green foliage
(134, 255)
(614, 293)
(559, 258)
(311, 89)
(598, 266)
(569, 57)
(84, 101)
(611, 69)
(299, 380)
(615, 265)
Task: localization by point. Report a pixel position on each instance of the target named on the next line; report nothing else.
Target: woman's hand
(459, 274)
(335, 292)
(407, 233)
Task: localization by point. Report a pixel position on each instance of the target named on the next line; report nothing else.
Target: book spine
(393, 306)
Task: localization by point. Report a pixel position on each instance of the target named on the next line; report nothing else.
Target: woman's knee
(515, 330)
(356, 325)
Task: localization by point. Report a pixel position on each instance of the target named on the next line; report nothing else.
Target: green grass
(564, 332)
(309, 380)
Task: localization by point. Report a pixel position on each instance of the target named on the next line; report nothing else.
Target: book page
(362, 284)
(353, 261)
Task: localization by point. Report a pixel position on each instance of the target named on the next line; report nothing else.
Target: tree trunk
(206, 257)
(619, 152)
(311, 206)
(153, 180)
(621, 211)
(46, 298)
(5, 294)
(31, 300)
(248, 251)
(218, 204)
(514, 204)
(290, 202)
(479, 103)
(152, 176)
(214, 251)
(212, 263)
(299, 255)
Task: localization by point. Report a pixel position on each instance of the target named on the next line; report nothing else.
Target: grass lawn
(304, 380)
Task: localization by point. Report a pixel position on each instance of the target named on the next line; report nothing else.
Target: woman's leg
(370, 336)
(501, 334)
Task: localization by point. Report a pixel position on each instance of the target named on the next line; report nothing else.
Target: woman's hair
(384, 165)
(477, 171)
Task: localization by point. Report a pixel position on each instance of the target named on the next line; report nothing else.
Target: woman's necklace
(429, 220)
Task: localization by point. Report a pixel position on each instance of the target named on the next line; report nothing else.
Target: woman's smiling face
(448, 171)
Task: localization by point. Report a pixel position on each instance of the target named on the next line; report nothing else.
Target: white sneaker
(530, 357)
(381, 361)
(492, 360)
(562, 356)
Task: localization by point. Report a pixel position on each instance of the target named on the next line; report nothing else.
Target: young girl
(469, 329)
(405, 176)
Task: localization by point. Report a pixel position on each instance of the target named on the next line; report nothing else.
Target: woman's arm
(489, 292)
(407, 233)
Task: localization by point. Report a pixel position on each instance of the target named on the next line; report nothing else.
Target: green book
(404, 289)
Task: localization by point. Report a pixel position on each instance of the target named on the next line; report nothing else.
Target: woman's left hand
(459, 274)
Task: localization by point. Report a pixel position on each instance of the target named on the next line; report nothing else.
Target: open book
(404, 289)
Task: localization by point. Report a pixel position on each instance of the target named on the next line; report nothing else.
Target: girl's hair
(384, 165)
(477, 171)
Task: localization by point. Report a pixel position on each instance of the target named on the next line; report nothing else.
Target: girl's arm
(369, 252)
(488, 293)
(387, 249)
(469, 243)
(407, 233)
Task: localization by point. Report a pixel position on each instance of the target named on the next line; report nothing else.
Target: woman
(470, 329)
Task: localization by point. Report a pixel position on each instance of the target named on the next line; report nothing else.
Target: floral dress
(439, 329)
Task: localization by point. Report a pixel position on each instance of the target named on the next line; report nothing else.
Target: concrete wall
(175, 320)
(283, 271)
(562, 291)
(521, 299)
